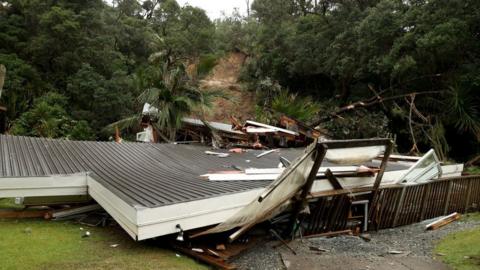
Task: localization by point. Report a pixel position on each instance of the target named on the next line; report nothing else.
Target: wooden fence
(398, 205)
(405, 205)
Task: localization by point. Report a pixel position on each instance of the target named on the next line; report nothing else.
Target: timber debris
(443, 221)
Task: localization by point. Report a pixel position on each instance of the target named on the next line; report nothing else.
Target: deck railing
(397, 205)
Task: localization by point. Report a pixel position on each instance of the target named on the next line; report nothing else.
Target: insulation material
(274, 195)
(354, 155)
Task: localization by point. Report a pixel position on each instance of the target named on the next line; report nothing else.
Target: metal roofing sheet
(143, 174)
(216, 125)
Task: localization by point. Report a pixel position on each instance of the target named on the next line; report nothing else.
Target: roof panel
(149, 175)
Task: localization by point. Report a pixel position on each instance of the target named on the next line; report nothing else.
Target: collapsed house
(153, 190)
(250, 134)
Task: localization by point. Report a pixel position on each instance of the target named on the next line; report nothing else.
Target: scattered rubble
(413, 243)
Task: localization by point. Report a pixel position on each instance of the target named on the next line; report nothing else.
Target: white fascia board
(267, 174)
(144, 223)
(240, 177)
(44, 186)
(260, 130)
(153, 222)
(452, 170)
(250, 122)
(123, 213)
(320, 170)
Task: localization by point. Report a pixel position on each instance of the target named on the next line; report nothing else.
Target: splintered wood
(443, 221)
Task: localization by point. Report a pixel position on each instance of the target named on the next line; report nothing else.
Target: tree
(48, 117)
(343, 52)
(21, 86)
(173, 95)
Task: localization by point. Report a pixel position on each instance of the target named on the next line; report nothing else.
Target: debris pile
(214, 203)
(250, 134)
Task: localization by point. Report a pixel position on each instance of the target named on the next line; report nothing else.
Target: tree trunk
(3, 72)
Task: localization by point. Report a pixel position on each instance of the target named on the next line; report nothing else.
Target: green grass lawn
(41, 244)
(462, 249)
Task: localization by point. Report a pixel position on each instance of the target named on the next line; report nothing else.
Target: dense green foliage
(93, 55)
(48, 117)
(340, 52)
(414, 64)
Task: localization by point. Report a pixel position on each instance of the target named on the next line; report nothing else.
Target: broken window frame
(417, 174)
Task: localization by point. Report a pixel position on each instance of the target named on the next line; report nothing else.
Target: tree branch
(377, 99)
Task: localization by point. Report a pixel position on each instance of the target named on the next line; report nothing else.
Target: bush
(206, 63)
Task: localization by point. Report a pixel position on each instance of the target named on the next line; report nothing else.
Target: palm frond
(150, 95)
(129, 122)
(464, 110)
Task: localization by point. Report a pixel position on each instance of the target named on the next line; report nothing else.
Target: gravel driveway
(407, 247)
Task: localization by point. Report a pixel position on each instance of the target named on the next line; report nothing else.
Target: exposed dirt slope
(224, 76)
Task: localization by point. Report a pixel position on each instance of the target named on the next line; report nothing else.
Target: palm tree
(175, 96)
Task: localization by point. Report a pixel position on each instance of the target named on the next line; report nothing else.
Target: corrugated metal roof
(148, 175)
(142, 174)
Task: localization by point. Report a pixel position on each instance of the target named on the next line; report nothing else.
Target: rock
(366, 237)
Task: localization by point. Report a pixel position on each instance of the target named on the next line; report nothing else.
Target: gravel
(412, 241)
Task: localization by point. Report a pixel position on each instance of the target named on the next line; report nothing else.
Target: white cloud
(214, 8)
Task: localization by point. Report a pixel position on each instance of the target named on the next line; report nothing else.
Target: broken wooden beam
(330, 234)
(206, 258)
(333, 180)
(44, 213)
(443, 221)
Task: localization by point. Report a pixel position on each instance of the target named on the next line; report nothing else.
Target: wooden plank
(423, 204)
(330, 234)
(378, 179)
(333, 180)
(329, 193)
(204, 257)
(447, 199)
(25, 214)
(300, 204)
(443, 221)
(469, 193)
(399, 207)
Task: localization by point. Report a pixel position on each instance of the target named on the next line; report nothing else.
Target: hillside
(224, 76)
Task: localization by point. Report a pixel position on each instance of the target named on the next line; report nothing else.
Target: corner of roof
(139, 207)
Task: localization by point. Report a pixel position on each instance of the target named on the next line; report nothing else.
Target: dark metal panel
(141, 174)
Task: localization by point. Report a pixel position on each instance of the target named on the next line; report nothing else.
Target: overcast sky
(214, 8)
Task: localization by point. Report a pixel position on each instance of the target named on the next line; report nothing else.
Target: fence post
(449, 194)
(426, 193)
(399, 206)
(469, 192)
